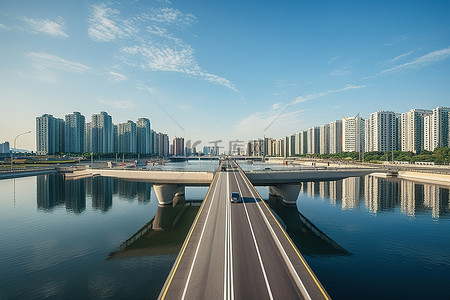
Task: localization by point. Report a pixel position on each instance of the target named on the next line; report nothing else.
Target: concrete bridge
(169, 184)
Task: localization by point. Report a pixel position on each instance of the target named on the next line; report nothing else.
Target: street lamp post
(15, 139)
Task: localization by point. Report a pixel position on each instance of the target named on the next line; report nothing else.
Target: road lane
(239, 251)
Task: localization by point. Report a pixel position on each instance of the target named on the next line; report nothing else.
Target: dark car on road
(235, 197)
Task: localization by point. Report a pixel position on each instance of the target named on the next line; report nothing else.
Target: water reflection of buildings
(53, 190)
(383, 194)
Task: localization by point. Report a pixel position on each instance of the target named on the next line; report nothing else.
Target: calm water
(95, 237)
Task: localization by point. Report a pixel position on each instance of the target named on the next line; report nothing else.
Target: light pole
(15, 139)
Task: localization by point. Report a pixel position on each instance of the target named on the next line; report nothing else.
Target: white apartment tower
(74, 133)
(441, 124)
(102, 133)
(412, 130)
(144, 136)
(49, 135)
(353, 137)
(381, 131)
(336, 136)
(126, 137)
(324, 139)
(313, 143)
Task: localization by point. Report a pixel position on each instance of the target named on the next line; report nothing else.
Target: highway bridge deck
(239, 250)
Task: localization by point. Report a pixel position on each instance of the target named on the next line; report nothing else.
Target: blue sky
(222, 69)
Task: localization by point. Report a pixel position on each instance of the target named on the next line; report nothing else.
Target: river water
(108, 238)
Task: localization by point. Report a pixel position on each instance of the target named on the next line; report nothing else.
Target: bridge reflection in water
(164, 234)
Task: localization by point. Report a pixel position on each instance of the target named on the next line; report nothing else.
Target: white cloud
(117, 77)
(171, 16)
(143, 87)
(54, 28)
(3, 26)
(120, 104)
(421, 61)
(302, 99)
(402, 56)
(253, 126)
(338, 73)
(179, 58)
(106, 25)
(276, 105)
(44, 60)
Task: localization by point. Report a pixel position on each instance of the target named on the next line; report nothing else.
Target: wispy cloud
(4, 27)
(333, 59)
(399, 57)
(396, 41)
(309, 97)
(338, 73)
(170, 15)
(178, 58)
(143, 87)
(106, 25)
(44, 60)
(54, 28)
(120, 104)
(117, 77)
(147, 42)
(419, 62)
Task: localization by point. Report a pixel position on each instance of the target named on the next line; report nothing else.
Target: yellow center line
(293, 246)
(185, 244)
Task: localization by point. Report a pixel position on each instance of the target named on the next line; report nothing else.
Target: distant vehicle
(224, 168)
(267, 169)
(235, 197)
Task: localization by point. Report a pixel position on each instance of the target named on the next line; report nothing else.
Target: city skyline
(284, 67)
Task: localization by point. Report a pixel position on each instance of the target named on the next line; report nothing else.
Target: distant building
(336, 136)
(313, 142)
(126, 137)
(441, 124)
(74, 133)
(144, 136)
(49, 135)
(353, 134)
(412, 130)
(381, 133)
(428, 132)
(102, 133)
(178, 146)
(4, 147)
(88, 138)
(325, 139)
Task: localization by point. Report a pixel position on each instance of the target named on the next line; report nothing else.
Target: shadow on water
(309, 239)
(164, 234)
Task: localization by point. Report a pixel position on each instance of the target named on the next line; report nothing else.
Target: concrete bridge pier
(167, 192)
(288, 192)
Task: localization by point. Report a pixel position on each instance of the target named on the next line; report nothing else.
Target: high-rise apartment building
(325, 139)
(353, 138)
(74, 133)
(126, 137)
(102, 133)
(88, 138)
(428, 132)
(144, 136)
(336, 136)
(4, 147)
(178, 146)
(313, 142)
(412, 130)
(441, 127)
(49, 135)
(381, 131)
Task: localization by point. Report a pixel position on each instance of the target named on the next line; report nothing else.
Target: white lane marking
(280, 247)
(231, 240)
(255, 242)
(226, 266)
(200, 240)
